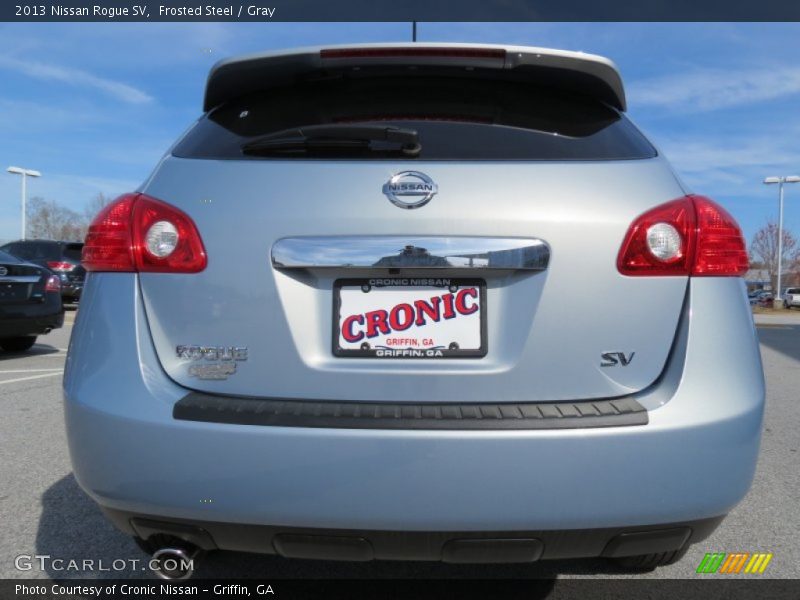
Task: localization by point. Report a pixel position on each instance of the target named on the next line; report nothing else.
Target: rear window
(33, 250)
(73, 251)
(456, 119)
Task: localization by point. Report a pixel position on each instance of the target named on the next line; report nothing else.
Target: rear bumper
(694, 460)
(447, 546)
(34, 325)
(71, 291)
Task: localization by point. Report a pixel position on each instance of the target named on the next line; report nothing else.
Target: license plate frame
(432, 284)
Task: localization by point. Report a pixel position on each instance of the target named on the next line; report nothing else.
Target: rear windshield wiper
(336, 138)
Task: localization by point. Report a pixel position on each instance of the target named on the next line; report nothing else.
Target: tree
(48, 220)
(764, 249)
(94, 206)
(793, 273)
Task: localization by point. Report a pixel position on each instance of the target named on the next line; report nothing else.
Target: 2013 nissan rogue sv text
(431, 302)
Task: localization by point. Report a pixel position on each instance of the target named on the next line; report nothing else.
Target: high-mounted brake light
(137, 233)
(416, 52)
(689, 236)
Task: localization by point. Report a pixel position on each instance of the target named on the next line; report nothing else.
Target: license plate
(13, 292)
(409, 317)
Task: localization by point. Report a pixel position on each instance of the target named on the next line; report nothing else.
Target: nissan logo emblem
(410, 189)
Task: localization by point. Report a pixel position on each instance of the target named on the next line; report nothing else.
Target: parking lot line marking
(28, 371)
(18, 379)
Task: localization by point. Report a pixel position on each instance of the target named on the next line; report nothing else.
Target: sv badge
(613, 359)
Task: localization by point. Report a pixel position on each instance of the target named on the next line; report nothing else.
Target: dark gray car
(62, 258)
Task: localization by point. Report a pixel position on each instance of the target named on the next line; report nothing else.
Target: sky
(93, 106)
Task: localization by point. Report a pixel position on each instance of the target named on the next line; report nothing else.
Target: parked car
(62, 258)
(761, 298)
(791, 297)
(30, 303)
(341, 320)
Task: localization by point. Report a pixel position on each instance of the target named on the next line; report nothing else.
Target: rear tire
(18, 344)
(648, 562)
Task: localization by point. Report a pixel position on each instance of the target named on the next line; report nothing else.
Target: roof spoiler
(587, 74)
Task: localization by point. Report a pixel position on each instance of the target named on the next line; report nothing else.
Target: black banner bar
(393, 10)
(705, 587)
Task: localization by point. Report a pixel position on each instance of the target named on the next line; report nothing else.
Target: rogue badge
(223, 360)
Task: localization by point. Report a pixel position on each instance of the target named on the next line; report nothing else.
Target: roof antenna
(413, 31)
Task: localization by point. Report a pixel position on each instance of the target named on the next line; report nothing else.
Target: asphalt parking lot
(43, 511)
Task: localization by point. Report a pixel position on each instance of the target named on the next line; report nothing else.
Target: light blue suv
(430, 302)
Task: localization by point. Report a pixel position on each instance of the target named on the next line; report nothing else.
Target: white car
(791, 297)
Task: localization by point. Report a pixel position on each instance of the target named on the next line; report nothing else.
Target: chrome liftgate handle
(419, 252)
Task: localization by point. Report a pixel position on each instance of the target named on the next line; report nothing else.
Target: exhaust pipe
(174, 563)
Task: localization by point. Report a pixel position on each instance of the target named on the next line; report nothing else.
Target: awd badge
(221, 363)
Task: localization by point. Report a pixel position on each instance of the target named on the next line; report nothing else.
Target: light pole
(777, 299)
(25, 174)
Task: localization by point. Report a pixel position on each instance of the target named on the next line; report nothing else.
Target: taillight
(53, 284)
(165, 239)
(721, 249)
(108, 245)
(57, 265)
(689, 236)
(137, 233)
(637, 255)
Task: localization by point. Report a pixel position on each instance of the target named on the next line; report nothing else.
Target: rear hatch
(546, 178)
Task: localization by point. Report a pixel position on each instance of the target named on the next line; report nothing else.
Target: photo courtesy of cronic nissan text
(303, 300)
